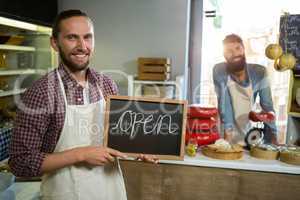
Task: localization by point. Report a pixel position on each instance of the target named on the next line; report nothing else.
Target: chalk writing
(290, 37)
(129, 122)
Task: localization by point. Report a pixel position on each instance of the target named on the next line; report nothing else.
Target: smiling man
(238, 85)
(55, 135)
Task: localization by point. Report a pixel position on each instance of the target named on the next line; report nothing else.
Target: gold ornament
(287, 61)
(273, 51)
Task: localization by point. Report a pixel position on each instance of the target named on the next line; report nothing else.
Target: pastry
(290, 155)
(264, 151)
(221, 149)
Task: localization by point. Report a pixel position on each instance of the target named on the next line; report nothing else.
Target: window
(257, 22)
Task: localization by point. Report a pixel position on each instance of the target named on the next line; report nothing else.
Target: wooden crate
(154, 76)
(154, 68)
(154, 61)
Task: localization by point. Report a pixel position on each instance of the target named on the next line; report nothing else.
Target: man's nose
(81, 43)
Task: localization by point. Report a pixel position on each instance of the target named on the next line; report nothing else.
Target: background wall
(128, 29)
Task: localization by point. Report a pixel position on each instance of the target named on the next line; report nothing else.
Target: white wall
(127, 29)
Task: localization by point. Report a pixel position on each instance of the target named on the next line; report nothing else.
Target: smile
(80, 56)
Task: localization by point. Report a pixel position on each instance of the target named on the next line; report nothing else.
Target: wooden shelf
(133, 85)
(18, 24)
(22, 72)
(11, 92)
(16, 48)
(294, 114)
(155, 82)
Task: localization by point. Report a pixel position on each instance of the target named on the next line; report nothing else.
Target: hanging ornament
(282, 61)
(276, 65)
(287, 61)
(273, 51)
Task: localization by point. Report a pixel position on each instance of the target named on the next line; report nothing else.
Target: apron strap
(62, 87)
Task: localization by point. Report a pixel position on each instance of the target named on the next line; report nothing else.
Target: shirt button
(79, 99)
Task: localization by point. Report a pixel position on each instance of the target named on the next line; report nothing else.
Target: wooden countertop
(246, 163)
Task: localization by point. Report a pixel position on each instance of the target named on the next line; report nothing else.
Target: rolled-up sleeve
(25, 151)
(266, 101)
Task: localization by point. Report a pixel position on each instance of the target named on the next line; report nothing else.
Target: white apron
(242, 102)
(83, 126)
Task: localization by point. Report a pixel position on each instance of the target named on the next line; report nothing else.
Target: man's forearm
(60, 160)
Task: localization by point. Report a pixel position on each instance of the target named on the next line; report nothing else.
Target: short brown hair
(232, 38)
(65, 15)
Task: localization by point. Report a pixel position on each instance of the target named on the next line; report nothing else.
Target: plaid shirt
(41, 116)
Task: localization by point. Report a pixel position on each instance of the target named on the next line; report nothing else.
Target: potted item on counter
(223, 150)
(192, 147)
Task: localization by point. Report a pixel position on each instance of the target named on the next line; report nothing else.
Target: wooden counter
(198, 178)
(209, 179)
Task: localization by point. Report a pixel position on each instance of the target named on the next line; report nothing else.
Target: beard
(236, 66)
(72, 66)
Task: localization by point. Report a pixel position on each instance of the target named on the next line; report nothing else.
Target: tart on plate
(221, 149)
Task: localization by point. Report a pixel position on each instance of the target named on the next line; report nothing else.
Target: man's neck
(240, 76)
(79, 76)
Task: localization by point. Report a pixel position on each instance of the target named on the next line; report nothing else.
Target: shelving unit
(24, 57)
(293, 125)
(22, 61)
(16, 48)
(22, 72)
(135, 86)
(294, 114)
(12, 92)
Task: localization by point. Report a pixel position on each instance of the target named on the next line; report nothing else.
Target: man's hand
(148, 158)
(94, 155)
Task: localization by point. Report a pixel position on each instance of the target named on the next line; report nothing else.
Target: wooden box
(154, 69)
(154, 61)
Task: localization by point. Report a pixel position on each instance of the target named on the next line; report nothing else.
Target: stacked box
(154, 69)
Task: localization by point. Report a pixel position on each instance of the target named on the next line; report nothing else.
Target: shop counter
(198, 177)
(246, 163)
(205, 178)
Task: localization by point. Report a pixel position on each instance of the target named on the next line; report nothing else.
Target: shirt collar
(68, 79)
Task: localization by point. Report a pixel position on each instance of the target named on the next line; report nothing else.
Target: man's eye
(71, 37)
(88, 37)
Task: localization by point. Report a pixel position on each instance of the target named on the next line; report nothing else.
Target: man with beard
(242, 88)
(58, 133)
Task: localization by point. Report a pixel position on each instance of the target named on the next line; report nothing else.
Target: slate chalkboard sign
(289, 37)
(135, 125)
